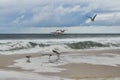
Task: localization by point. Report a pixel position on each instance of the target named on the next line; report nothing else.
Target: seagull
(28, 58)
(60, 31)
(93, 18)
(58, 54)
(50, 57)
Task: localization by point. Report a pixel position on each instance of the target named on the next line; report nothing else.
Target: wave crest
(38, 46)
(86, 45)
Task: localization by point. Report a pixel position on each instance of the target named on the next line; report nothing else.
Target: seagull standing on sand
(93, 18)
(50, 56)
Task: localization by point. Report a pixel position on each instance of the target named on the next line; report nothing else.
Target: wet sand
(87, 70)
(73, 70)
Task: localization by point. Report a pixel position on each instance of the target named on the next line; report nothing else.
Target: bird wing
(94, 16)
(89, 17)
(57, 30)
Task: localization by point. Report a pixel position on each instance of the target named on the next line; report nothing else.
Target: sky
(45, 16)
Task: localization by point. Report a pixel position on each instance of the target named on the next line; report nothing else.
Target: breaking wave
(30, 46)
(91, 44)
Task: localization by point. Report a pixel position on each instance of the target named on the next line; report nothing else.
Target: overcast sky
(45, 16)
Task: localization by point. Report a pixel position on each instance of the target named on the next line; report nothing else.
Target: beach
(59, 40)
(72, 70)
(81, 57)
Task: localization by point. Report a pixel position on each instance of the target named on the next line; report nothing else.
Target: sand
(73, 70)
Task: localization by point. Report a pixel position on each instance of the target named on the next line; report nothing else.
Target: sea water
(33, 43)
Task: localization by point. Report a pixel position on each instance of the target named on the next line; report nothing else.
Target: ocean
(33, 43)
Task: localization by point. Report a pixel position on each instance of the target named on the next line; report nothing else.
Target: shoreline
(73, 70)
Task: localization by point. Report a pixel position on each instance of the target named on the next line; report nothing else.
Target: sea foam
(42, 64)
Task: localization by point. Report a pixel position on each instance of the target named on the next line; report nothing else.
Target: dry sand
(73, 70)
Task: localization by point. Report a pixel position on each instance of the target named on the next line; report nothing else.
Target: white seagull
(58, 32)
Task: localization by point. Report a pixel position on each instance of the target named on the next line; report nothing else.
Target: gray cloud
(52, 13)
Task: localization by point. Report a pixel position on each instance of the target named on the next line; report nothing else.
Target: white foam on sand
(42, 64)
(14, 75)
(107, 59)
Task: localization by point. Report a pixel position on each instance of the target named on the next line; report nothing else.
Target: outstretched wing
(94, 16)
(57, 30)
(89, 17)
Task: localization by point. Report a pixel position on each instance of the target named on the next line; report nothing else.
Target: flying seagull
(58, 32)
(93, 18)
(62, 31)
